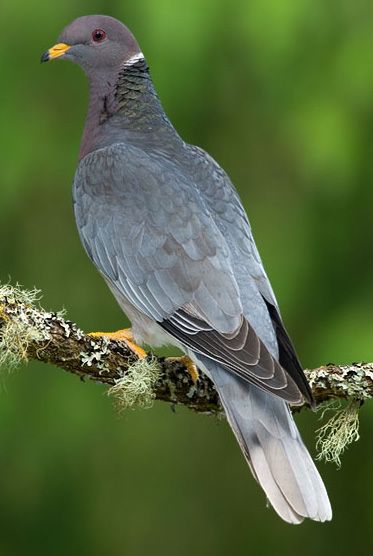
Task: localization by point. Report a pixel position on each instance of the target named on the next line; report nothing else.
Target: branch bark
(29, 332)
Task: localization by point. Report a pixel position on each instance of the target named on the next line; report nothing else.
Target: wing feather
(147, 229)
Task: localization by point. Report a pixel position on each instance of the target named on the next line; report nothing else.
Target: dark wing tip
(288, 358)
(252, 363)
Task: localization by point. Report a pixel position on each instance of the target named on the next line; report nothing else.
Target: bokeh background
(280, 92)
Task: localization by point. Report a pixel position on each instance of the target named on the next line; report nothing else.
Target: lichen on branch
(29, 332)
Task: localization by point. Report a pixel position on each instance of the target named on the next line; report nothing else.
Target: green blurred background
(280, 92)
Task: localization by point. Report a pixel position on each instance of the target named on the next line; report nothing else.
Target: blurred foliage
(280, 92)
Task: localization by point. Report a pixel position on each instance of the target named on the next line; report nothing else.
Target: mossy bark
(29, 332)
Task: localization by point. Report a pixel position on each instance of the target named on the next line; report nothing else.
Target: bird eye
(98, 35)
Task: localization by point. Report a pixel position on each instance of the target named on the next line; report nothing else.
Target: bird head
(95, 42)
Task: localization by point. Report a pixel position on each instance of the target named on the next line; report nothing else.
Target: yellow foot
(125, 336)
(190, 366)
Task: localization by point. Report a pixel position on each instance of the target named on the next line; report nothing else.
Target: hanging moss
(340, 430)
(136, 388)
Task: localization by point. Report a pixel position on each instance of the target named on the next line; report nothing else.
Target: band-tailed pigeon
(165, 227)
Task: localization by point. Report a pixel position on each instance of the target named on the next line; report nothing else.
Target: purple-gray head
(96, 42)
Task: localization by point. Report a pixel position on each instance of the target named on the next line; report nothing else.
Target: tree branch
(29, 332)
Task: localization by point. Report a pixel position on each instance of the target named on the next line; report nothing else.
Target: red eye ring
(98, 35)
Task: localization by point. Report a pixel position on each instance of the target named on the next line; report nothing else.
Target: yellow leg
(125, 336)
(190, 366)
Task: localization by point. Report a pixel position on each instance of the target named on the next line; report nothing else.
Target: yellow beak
(55, 52)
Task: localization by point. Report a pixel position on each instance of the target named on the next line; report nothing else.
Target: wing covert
(149, 233)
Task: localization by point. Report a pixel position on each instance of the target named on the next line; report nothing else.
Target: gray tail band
(273, 448)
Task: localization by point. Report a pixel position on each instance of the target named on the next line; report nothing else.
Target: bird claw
(125, 335)
(188, 363)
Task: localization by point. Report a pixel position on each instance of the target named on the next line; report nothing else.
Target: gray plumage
(164, 225)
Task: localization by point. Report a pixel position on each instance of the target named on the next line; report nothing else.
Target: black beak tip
(44, 57)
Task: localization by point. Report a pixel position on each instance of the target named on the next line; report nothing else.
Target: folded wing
(154, 239)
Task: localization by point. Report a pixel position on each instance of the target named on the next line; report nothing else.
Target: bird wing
(229, 215)
(147, 229)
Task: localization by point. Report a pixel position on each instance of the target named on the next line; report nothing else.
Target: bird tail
(273, 448)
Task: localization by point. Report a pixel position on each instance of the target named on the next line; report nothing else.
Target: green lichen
(136, 387)
(340, 430)
(17, 332)
(348, 381)
(15, 294)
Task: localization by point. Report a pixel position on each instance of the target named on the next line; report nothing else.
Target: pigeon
(165, 227)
